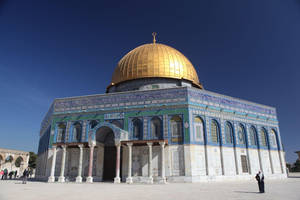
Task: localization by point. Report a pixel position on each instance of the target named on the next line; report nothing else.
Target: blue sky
(48, 49)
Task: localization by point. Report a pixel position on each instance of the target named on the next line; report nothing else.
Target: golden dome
(154, 61)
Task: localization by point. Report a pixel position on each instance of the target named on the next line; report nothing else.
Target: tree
(296, 167)
(32, 160)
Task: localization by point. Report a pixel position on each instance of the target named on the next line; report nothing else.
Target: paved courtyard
(275, 189)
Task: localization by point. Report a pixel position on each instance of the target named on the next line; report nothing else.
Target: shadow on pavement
(247, 192)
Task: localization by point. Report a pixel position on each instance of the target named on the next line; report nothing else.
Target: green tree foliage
(296, 167)
(32, 160)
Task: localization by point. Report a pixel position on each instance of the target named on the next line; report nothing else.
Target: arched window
(9, 159)
(1, 160)
(176, 126)
(253, 138)
(77, 132)
(61, 133)
(228, 133)
(241, 134)
(215, 132)
(93, 124)
(263, 137)
(199, 128)
(156, 127)
(137, 128)
(19, 161)
(117, 123)
(273, 138)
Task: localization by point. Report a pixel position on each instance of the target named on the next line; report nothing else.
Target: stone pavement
(288, 189)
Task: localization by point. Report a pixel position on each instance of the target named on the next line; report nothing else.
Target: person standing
(2, 174)
(5, 173)
(10, 174)
(260, 180)
(24, 178)
(15, 174)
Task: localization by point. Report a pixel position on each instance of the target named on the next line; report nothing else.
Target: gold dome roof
(154, 61)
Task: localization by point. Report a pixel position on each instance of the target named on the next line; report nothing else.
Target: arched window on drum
(253, 136)
(241, 135)
(61, 132)
(77, 131)
(137, 128)
(214, 131)
(176, 126)
(156, 128)
(199, 129)
(228, 133)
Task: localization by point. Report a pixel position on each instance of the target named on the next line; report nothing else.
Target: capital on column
(162, 144)
(149, 144)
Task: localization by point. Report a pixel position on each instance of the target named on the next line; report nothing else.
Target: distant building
(157, 123)
(14, 160)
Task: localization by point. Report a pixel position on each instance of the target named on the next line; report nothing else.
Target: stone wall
(15, 155)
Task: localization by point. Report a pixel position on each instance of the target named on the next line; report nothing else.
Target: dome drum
(148, 84)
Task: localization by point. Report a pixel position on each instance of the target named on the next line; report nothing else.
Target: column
(162, 148)
(61, 178)
(117, 178)
(51, 178)
(79, 177)
(129, 178)
(150, 162)
(89, 179)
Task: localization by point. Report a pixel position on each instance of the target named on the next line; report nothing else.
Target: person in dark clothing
(25, 175)
(15, 174)
(5, 173)
(10, 174)
(260, 180)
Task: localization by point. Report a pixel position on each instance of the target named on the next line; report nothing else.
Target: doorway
(105, 135)
(109, 165)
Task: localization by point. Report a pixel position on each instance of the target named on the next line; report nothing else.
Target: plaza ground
(275, 189)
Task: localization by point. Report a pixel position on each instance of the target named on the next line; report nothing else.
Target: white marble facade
(183, 163)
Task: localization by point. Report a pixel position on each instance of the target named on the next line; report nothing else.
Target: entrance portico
(104, 154)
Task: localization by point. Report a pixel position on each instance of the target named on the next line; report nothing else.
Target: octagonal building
(157, 123)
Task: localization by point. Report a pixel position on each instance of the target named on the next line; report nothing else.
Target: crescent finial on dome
(154, 35)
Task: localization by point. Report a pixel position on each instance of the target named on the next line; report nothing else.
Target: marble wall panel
(275, 161)
(265, 161)
(198, 164)
(229, 161)
(214, 161)
(254, 161)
